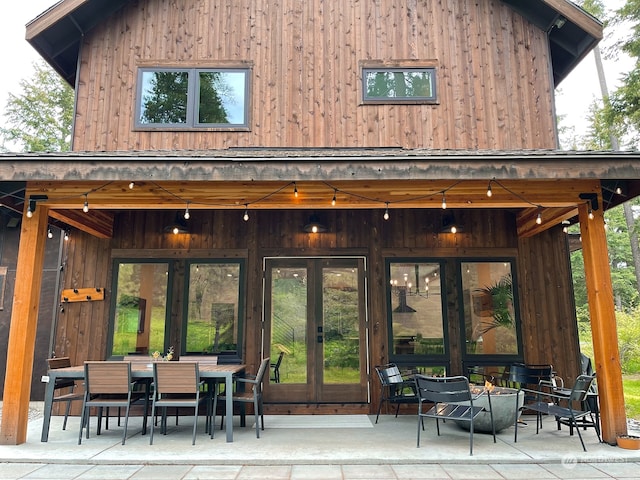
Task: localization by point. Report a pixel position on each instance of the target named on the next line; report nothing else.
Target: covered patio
(549, 185)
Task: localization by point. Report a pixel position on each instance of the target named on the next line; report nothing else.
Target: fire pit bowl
(503, 402)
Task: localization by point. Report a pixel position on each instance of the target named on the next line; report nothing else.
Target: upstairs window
(211, 98)
(399, 84)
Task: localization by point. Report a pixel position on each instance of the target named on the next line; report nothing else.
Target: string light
(66, 235)
(29, 211)
(333, 200)
(619, 190)
(131, 185)
(187, 215)
(295, 190)
(539, 217)
(489, 192)
(85, 207)
(245, 217)
(444, 202)
(386, 211)
(590, 213)
(49, 233)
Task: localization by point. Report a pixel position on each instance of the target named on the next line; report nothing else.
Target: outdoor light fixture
(314, 225)
(179, 225)
(449, 225)
(33, 199)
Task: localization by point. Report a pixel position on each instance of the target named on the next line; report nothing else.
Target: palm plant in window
(500, 297)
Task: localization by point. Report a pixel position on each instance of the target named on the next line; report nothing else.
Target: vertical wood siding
(494, 79)
(548, 322)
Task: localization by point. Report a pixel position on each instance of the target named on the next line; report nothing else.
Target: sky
(573, 98)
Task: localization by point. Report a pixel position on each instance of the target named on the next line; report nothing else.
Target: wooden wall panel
(494, 81)
(549, 326)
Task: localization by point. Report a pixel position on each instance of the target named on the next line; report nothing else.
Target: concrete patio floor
(327, 448)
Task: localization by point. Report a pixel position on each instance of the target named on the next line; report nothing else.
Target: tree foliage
(39, 119)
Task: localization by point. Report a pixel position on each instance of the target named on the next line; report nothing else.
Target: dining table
(144, 371)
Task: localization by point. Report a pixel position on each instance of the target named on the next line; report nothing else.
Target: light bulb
(49, 233)
(85, 207)
(489, 192)
(386, 213)
(333, 200)
(29, 212)
(245, 217)
(314, 229)
(176, 230)
(444, 202)
(454, 229)
(131, 185)
(539, 218)
(187, 215)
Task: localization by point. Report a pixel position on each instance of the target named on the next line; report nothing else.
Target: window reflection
(140, 308)
(416, 309)
(213, 309)
(489, 308)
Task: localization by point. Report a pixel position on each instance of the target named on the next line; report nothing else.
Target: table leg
(229, 406)
(48, 403)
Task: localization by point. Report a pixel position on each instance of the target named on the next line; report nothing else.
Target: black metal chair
(529, 379)
(177, 384)
(242, 396)
(452, 399)
(550, 401)
(64, 385)
(107, 384)
(275, 368)
(395, 388)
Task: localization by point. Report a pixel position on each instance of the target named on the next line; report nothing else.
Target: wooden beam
(405, 193)
(526, 221)
(603, 323)
(22, 330)
(95, 222)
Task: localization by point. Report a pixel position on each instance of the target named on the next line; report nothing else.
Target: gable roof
(57, 33)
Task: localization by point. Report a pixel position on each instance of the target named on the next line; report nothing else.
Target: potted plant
(499, 298)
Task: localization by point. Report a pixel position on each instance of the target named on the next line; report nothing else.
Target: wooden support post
(22, 330)
(603, 323)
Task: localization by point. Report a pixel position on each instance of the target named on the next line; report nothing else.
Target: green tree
(40, 119)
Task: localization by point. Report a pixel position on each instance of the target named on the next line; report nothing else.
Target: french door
(315, 312)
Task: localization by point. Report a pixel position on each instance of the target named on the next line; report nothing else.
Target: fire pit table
(503, 403)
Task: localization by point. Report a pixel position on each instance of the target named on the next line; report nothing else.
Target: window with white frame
(209, 98)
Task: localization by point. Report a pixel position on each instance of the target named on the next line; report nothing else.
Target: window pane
(213, 311)
(289, 322)
(490, 321)
(221, 97)
(164, 97)
(399, 84)
(141, 307)
(416, 309)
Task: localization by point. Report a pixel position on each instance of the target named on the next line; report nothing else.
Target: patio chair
(529, 379)
(275, 368)
(67, 386)
(242, 396)
(394, 388)
(107, 384)
(177, 384)
(563, 407)
(452, 399)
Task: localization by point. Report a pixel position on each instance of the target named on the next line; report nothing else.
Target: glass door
(315, 315)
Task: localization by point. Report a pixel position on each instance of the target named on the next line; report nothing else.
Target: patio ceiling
(552, 183)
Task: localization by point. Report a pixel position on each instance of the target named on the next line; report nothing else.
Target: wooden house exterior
(386, 121)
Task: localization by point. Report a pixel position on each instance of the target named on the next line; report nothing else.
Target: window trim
(115, 268)
(432, 360)
(402, 66)
(241, 303)
(193, 97)
(480, 359)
